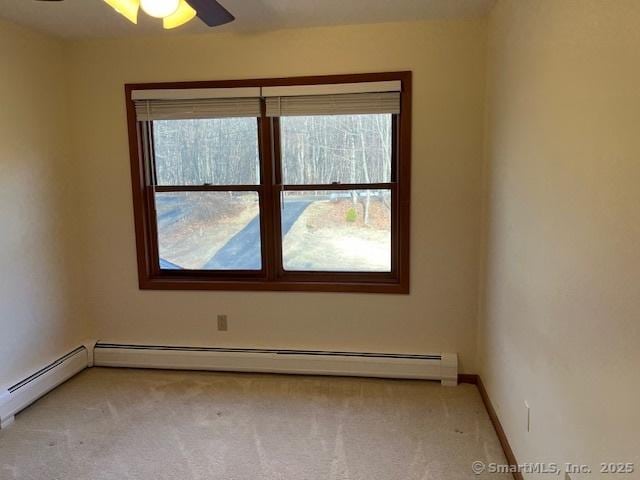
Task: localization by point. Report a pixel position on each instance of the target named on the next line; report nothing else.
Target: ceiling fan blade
(211, 12)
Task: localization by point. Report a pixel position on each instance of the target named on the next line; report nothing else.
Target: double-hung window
(273, 184)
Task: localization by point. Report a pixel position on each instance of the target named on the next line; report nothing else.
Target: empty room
(319, 240)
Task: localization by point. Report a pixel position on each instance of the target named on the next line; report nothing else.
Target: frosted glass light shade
(160, 8)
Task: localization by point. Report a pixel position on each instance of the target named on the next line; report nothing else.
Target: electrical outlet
(526, 405)
(222, 323)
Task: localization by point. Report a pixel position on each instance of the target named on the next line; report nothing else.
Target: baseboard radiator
(25, 392)
(442, 367)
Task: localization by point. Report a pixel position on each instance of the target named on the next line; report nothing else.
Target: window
(345, 229)
(199, 228)
(276, 184)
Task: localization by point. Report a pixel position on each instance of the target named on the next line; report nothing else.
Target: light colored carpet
(120, 424)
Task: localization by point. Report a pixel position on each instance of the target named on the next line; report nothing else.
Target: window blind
(333, 99)
(180, 104)
(147, 110)
(347, 104)
(286, 100)
(331, 89)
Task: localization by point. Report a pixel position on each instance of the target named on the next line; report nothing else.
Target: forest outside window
(277, 184)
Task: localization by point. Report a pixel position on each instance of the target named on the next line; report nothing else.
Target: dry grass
(323, 239)
(210, 222)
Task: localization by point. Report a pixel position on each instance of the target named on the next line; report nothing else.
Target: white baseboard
(442, 367)
(16, 397)
(90, 345)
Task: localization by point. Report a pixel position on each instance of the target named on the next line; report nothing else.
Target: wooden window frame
(272, 276)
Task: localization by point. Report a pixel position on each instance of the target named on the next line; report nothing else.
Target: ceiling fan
(173, 13)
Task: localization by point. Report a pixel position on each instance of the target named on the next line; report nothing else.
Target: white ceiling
(94, 18)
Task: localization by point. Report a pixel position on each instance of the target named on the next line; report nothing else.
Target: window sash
(277, 153)
(308, 275)
(243, 272)
(276, 121)
(146, 129)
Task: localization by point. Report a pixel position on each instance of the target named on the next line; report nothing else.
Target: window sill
(195, 283)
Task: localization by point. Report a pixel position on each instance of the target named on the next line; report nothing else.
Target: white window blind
(147, 110)
(179, 104)
(332, 89)
(290, 100)
(333, 99)
(344, 104)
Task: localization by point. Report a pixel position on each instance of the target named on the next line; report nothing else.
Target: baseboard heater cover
(442, 367)
(25, 392)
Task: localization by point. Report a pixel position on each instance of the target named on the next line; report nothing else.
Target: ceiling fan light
(181, 16)
(126, 8)
(160, 8)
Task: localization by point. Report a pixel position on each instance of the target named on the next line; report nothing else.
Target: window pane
(221, 151)
(337, 230)
(336, 148)
(209, 230)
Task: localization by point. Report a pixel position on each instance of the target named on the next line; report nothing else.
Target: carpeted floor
(153, 425)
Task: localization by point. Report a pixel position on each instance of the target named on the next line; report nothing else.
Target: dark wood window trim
(272, 276)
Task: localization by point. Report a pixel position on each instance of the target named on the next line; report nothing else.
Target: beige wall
(447, 59)
(39, 318)
(561, 325)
